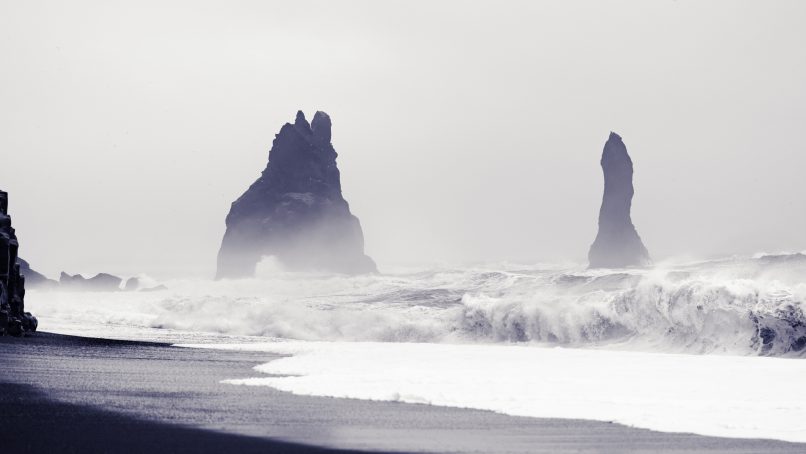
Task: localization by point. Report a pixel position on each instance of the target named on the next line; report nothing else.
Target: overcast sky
(466, 131)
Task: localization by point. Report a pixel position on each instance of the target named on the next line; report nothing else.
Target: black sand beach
(72, 394)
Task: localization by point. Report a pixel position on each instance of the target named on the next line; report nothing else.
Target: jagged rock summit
(617, 244)
(295, 211)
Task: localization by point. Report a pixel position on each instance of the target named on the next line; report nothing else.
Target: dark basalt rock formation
(295, 210)
(13, 318)
(617, 244)
(101, 282)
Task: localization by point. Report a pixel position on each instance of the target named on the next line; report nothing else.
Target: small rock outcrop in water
(101, 282)
(13, 318)
(132, 284)
(295, 210)
(34, 279)
(617, 244)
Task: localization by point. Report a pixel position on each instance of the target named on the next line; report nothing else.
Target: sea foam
(727, 396)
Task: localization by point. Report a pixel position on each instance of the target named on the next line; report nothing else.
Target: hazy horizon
(466, 131)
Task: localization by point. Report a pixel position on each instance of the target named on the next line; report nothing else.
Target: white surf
(713, 348)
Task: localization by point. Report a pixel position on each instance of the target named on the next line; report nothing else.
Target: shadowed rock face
(295, 210)
(617, 244)
(13, 318)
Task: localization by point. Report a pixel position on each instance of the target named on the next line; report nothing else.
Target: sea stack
(295, 211)
(617, 244)
(13, 318)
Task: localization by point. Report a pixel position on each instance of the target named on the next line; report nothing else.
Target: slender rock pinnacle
(617, 244)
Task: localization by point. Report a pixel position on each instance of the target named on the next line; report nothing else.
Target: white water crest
(744, 306)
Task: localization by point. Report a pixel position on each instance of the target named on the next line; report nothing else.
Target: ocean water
(713, 347)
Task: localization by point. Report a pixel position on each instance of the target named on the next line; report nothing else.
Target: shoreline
(81, 394)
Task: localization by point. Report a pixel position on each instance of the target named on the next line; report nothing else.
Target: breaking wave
(750, 306)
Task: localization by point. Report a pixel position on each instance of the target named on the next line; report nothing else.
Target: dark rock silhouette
(295, 210)
(617, 244)
(101, 282)
(13, 318)
(34, 279)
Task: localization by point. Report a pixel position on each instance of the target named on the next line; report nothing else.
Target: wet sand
(72, 394)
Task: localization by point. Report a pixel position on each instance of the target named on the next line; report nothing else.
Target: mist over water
(746, 306)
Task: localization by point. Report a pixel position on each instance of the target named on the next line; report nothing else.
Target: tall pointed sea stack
(617, 244)
(295, 210)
